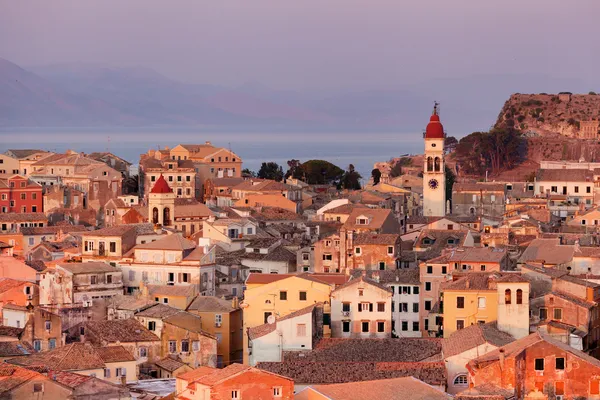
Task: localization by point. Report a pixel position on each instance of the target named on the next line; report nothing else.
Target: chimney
(235, 303)
(123, 380)
(375, 276)
(502, 359)
(143, 289)
(467, 283)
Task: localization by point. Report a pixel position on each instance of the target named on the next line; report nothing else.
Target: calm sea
(360, 149)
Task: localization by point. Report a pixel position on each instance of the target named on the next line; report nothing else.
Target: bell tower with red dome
(434, 175)
(161, 203)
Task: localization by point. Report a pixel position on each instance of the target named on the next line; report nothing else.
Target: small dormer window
(451, 241)
(427, 241)
(362, 221)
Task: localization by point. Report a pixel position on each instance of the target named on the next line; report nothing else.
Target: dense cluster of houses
(209, 284)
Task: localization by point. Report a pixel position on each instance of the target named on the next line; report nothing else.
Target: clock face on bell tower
(434, 184)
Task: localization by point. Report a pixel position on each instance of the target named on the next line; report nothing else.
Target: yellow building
(480, 297)
(177, 296)
(469, 300)
(282, 294)
(223, 319)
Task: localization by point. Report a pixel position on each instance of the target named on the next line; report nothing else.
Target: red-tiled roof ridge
(364, 280)
(473, 336)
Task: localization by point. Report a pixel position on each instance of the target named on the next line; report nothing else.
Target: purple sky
(309, 44)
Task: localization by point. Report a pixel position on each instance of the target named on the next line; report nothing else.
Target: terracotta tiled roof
(72, 357)
(12, 376)
(388, 239)
(549, 250)
(174, 242)
(372, 350)
(22, 217)
(261, 330)
(330, 372)
(362, 279)
(124, 330)
(173, 290)
(10, 330)
(51, 230)
(88, 267)
(218, 375)
(473, 336)
(477, 254)
(170, 364)
(187, 321)
(386, 389)
(159, 311)
(186, 208)
(396, 276)
(211, 304)
(24, 153)
(330, 279)
(276, 214)
(15, 349)
(575, 300)
(565, 175)
(121, 230)
(110, 354)
(344, 209)
(482, 281)
(377, 217)
(7, 284)
(69, 379)
(190, 376)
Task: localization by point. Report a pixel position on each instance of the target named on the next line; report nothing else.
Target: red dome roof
(434, 130)
(161, 186)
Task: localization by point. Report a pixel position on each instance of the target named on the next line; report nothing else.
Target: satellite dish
(244, 305)
(271, 319)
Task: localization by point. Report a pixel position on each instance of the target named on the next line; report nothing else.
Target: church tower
(434, 176)
(161, 203)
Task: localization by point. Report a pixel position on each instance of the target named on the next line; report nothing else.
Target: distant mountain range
(96, 96)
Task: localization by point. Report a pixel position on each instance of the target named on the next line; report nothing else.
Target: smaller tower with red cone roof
(161, 203)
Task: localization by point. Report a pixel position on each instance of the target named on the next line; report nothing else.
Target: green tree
(321, 172)
(270, 170)
(450, 144)
(294, 169)
(376, 175)
(450, 179)
(499, 149)
(247, 172)
(131, 184)
(351, 179)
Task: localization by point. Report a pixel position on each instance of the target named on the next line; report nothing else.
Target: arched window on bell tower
(438, 164)
(429, 164)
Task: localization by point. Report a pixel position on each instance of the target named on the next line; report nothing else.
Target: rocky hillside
(550, 114)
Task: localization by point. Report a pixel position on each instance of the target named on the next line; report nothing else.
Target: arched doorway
(155, 215)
